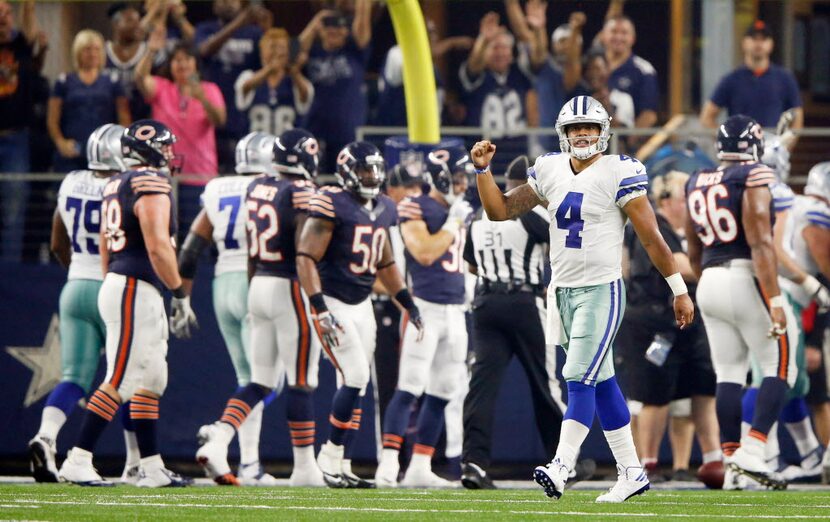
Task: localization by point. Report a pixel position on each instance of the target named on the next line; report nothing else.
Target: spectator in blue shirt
(630, 73)
(171, 14)
(228, 46)
(758, 88)
(82, 101)
(337, 57)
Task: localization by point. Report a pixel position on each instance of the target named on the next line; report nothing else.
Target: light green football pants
(82, 332)
(802, 380)
(591, 316)
(230, 302)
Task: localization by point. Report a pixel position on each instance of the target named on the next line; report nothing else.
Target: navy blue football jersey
(273, 206)
(349, 267)
(714, 198)
(125, 243)
(443, 281)
(272, 110)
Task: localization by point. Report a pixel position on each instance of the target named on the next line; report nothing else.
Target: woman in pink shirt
(190, 107)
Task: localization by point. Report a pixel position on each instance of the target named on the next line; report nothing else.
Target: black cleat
(473, 477)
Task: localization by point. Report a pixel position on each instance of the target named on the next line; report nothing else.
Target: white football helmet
(583, 109)
(103, 149)
(254, 153)
(818, 181)
(777, 157)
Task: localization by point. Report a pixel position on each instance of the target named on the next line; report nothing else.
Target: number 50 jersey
(586, 216)
(714, 198)
(349, 266)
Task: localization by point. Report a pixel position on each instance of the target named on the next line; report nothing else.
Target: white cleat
(130, 475)
(160, 477)
(421, 477)
(751, 464)
(330, 461)
(213, 456)
(77, 468)
(552, 478)
(386, 476)
(42, 459)
(253, 475)
(810, 469)
(307, 476)
(630, 482)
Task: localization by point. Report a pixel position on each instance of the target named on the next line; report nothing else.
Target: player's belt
(498, 287)
(730, 263)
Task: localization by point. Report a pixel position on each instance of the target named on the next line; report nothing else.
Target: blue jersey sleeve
(722, 93)
(819, 219)
(59, 89)
(648, 98)
(792, 98)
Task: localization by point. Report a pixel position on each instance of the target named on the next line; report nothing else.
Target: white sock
(389, 455)
(152, 462)
(347, 466)
(571, 437)
(745, 427)
(131, 443)
(621, 443)
(803, 436)
(333, 450)
(755, 446)
(80, 456)
(421, 460)
(248, 436)
(224, 433)
(771, 449)
(51, 422)
(712, 456)
(303, 456)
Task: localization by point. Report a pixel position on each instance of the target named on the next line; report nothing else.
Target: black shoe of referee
(473, 477)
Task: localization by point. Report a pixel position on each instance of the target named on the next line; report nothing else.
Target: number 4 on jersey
(569, 217)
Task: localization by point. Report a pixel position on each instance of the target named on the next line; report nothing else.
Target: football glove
(457, 217)
(182, 317)
(417, 321)
(328, 327)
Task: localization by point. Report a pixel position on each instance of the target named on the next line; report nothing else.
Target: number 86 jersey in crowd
(587, 221)
(714, 198)
(349, 266)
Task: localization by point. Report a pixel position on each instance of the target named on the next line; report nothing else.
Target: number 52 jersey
(587, 220)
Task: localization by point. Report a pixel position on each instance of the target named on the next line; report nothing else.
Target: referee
(508, 311)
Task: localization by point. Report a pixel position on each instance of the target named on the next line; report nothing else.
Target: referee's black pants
(505, 325)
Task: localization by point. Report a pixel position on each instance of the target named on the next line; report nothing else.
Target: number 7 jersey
(224, 203)
(587, 220)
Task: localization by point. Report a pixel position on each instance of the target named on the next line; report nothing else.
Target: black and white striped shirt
(509, 251)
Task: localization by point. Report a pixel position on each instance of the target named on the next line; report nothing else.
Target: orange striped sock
(236, 411)
(302, 433)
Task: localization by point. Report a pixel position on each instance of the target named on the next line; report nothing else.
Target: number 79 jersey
(349, 266)
(714, 198)
(79, 204)
(224, 203)
(587, 221)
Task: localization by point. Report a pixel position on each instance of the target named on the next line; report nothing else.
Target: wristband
(318, 303)
(677, 285)
(777, 301)
(179, 292)
(405, 299)
(811, 285)
(481, 170)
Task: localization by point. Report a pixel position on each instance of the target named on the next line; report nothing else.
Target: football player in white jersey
(222, 221)
(589, 196)
(75, 228)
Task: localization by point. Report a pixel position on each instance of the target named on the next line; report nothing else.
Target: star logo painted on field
(44, 361)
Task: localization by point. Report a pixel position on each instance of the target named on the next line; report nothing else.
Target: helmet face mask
(740, 138)
(296, 152)
(582, 110)
(103, 149)
(254, 154)
(361, 169)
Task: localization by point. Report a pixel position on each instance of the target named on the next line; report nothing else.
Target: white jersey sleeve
(79, 204)
(632, 179)
(224, 203)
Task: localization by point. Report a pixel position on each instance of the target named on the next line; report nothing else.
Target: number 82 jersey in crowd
(349, 267)
(587, 220)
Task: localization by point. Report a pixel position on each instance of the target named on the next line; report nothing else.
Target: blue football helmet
(103, 149)
(740, 138)
(297, 152)
(148, 143)
(361, 169)
(254, 153)
(443, 165)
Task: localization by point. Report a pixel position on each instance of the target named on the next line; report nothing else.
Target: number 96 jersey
(714, 198)
(349, 267)
(587, 221)
(125, 242)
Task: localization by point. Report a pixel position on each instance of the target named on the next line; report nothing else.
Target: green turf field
(64, 502)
